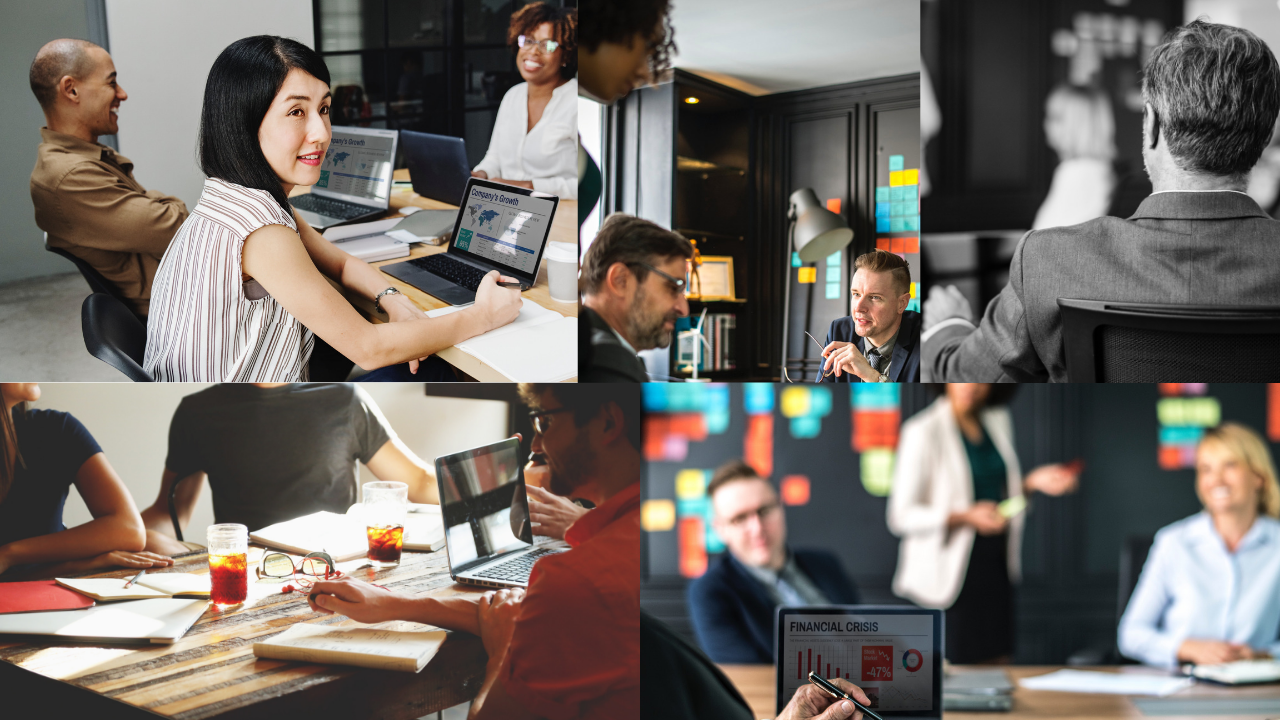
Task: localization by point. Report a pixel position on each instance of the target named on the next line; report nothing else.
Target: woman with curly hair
(535, 133)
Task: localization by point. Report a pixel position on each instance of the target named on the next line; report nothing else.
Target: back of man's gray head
(56, 60)
(1216, 92)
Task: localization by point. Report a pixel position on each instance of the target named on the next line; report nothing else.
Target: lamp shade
(819, 232)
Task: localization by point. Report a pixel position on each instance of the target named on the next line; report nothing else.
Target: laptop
(355, 178)
(485, 510)
(499, 227)
(437, 164)
(980, 690)
(894, 653)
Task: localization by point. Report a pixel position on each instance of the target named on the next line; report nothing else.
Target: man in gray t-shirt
(273, 452)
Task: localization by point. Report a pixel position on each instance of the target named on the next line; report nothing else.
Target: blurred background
(830, 454)
(1032, 117)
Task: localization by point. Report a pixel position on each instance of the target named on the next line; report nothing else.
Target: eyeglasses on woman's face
(546, 46)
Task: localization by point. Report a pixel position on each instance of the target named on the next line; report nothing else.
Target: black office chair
(97, 283)
(114, 335)
(1133, 555)
(1142, 342)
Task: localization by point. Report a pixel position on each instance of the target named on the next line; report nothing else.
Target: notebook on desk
(1241, 672)
(345, 537)
(39, 596)
(158, 585)
(541, 345)
(371, 647)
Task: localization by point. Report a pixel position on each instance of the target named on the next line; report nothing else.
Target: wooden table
(757, 685)
(564, 228)
(211, 672)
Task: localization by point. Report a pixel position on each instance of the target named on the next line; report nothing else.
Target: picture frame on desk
(714, 279)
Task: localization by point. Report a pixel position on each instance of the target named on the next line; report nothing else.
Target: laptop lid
(894, 653)
(483, 504)
(357, 166)
(504, 226)
(437, 165)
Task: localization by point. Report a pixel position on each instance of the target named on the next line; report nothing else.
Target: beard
(572, 471)
(647, 332)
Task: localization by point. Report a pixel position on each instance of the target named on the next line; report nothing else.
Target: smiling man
(632, 292)
(84, 193)
(879, 341)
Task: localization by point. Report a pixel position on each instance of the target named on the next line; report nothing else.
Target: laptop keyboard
(460, 273)
(329, 207)
(516, 569)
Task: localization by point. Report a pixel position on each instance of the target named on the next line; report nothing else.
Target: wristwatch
(884, 378)
(378, 300)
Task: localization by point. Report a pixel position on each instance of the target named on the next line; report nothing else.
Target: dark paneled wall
(1067, 601)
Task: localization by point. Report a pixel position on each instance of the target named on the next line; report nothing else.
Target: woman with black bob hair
(242, 286)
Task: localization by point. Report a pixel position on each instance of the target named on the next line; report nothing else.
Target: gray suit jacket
(1216, 248)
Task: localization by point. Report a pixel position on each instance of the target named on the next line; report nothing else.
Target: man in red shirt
(569, 647)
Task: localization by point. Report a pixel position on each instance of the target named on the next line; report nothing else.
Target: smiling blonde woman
(1210, 590)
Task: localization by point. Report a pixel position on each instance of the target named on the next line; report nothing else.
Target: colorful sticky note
(877, 471)
(691, 484)
(1199, 412)
(883, 209)
(896, 162)
(911, 245)
(911, 192)
(757, 443)
(833, 273)
(896, 246)
(833, 290)
(913, 289)
(875, 396)
(884, 243)
(833, 204)
(795, 402)
(895, 178)
(808, 274)
(834, 258)
(882, 194)
(757, 398)
(914, 305)
(910, 177)
(657, 515)
(911, 223)
(805, 428)
(795, 490)
(897, 225)
(1273, 412)
(795, 260)
(896, 194)
(895, 209)
(882, 224)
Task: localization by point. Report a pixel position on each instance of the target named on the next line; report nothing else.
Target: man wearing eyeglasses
(733, 602)
(632, 292)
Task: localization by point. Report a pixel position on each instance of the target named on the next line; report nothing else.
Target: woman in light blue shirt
(1210, 590)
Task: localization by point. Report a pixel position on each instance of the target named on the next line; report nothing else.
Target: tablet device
(894, 653)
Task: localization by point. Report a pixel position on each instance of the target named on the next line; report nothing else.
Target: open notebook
(541, 345)
(346, 537)
(1241, 672)
(159, 585)
(369, 647)
(161, 620)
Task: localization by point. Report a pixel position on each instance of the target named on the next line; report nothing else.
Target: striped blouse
(206, 323)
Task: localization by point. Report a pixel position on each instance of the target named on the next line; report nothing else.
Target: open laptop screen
(893, 653)
(483, 503)
(357, 166)
(504, 225)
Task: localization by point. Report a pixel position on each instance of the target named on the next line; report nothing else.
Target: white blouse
(206, 324)
(547, 154)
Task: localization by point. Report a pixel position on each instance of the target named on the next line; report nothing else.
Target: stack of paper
(369, 241)
(541, 345)
(1082, 681)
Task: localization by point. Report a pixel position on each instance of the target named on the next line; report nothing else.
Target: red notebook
(40, 596)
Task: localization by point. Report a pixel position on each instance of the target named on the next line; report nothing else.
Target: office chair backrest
(113, 335)
(1140, 342)
(97, 283)
(1133, 555)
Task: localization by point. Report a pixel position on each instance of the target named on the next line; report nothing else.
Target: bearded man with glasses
(733, 602)
(633, 289)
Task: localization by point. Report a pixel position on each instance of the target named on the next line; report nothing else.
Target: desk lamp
(816, 232)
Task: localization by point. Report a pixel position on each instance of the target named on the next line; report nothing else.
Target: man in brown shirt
(84, 193)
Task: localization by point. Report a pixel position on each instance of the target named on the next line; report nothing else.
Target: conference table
(211, 672)
(564, 229)
(757, 685)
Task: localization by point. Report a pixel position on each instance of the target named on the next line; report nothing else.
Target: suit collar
(1198, 206)
(908, 336)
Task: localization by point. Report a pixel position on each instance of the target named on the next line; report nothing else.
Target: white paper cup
(562, 272)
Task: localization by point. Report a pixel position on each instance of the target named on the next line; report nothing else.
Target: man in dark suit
(733, 602)
(632, 292)
(1211, 94)
(879, 341)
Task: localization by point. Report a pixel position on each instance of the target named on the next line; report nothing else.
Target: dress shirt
(1193, 587)
(547, 155)
(788, 586)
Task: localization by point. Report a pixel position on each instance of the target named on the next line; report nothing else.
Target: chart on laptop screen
(358, 165)
(505, 228)
(889, 656)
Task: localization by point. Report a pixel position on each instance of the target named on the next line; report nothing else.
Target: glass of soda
(228, 572)
(385, 505)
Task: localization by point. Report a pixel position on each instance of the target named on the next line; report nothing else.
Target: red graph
(804, 667)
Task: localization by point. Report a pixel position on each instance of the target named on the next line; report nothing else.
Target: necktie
(788, 594)
(874, 358)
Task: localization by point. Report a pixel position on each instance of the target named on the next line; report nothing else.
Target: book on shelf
(717, 353)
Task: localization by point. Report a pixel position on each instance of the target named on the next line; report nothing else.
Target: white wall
(163, 50)
(131, 423)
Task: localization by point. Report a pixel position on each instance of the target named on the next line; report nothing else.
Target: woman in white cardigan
(956, 463)
(534, 143)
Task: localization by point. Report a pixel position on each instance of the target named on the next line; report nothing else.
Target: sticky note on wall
(910, 177)
(896, 162)
(808, 274)
(833, 290)
(833, 204)
(895, 178)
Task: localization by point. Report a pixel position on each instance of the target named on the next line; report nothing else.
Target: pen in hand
(135, 578)
(837, 693)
